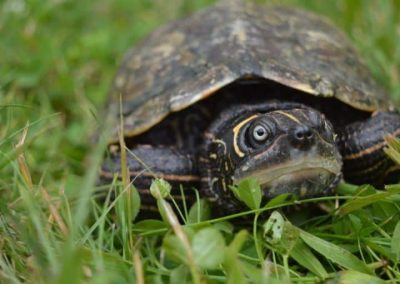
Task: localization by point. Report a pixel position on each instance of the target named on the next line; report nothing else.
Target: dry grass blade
(177, 228)
(138, 268)
(124, 165)
(54, 214)
(25, 172)
(23, 167)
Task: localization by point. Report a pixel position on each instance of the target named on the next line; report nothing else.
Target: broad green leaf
(208, 248)
(174, 249)
(112, 260)
(355, 277)
(189, 232)
(181, 274)
(234, 269)
(304, 256)
(280, 199)
(344, 188)
(149, 225)
(281, 234)
(200, 211)
(249, 192)
(362, 201)
(395, 246)
(232, 263)
(252, 272)
(355, 222)
(238, 241)
(135, 206)
(273, 228)
(334, 253)
(393, 188)
(128, 206)
(224, 227)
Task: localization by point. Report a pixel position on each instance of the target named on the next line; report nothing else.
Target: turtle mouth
(304, 178)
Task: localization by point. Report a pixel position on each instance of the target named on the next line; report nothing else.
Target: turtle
(241, 90)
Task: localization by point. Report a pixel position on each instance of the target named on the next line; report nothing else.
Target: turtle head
(285, 150)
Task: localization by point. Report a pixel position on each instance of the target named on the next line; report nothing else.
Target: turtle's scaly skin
(190, 59)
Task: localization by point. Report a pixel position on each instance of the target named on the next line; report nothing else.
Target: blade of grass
(335, 253)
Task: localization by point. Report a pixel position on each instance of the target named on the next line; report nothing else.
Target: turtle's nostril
(302, 137)
(309, 134)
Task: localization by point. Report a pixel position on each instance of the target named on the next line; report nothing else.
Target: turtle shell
(190, 59)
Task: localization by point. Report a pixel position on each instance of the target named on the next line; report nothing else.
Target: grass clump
(57, 61)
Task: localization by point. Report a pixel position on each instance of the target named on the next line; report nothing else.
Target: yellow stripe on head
(290, 116)
(236, 131)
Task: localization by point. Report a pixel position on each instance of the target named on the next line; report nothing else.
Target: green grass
(57, 59)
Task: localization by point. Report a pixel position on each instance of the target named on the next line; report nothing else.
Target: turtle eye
(260, 133)
(257, 134)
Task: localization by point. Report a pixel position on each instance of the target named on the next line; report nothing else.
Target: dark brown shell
(187, 60)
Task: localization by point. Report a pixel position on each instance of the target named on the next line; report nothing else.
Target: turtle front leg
(361, 145)
(145, 163)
